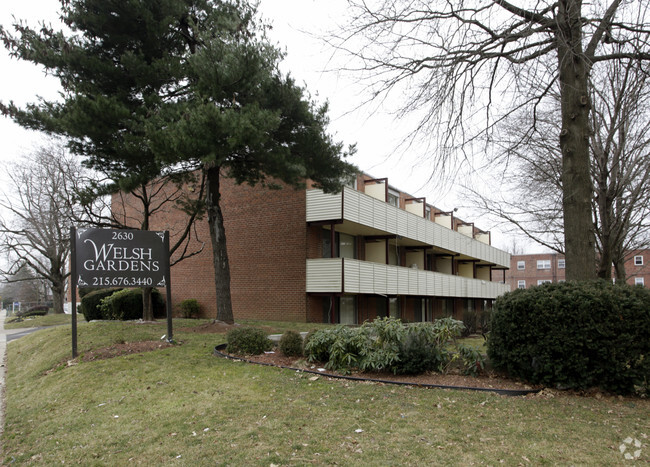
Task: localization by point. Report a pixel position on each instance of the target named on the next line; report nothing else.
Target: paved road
(16, 333)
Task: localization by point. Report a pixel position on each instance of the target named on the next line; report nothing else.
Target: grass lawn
(47, 320)
(183, 406)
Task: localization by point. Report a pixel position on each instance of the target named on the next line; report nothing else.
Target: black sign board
(105, 258)
(121, 258)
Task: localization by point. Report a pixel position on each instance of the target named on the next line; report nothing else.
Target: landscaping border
(504, 392)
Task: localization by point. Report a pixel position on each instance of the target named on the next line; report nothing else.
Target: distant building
(536, 269)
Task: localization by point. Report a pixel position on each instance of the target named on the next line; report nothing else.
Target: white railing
(357, 207)
(344, 275)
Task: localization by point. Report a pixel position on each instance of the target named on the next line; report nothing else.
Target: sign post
(103, 258)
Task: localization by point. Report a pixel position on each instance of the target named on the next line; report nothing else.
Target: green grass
(278, 327)
(183, 406)
(474, 341)
(38, 321)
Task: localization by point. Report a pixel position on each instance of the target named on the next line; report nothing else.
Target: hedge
(126, 304)
(574, 335)
(91, 301)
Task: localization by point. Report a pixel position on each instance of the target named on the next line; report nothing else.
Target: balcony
(360, 214)
(344, 275)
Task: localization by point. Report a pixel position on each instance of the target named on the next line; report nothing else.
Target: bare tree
(23, 287)
(35, 233)
(466, 65)
(620, 169)
(620, 145)
(135, 202)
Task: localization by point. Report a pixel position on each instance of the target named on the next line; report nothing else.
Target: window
(447, 307)
(418, 308)
(561, 263)
(347, 310)
(521, 265)
(521, 284)
(350, 182)
(393, 307)
(638, 260)
(393, 255)
(543, 281)
(543, 264)
(345, 245)
(638, 281)
(393, 197)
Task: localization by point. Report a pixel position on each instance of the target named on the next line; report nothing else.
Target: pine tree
(151, 86)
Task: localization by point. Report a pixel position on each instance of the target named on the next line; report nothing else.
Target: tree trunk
(619, 265)
(579, 237)
(219, 251)
(619, 271)
(57, 297)
(147, 305)
(605, 264)
(606, 214)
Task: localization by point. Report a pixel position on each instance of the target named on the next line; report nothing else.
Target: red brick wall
(531, 274)
(632, 271)
(266, 234)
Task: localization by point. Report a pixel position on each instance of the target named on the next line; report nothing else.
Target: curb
(504, 392)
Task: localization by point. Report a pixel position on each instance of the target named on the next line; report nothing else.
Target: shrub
(574, 335)
(447, 329)
(90, 303)
(318, 343)
(424, 349)
(417, 357)
(385, 344)
(126, 304)
(470, 321)
(291, 344)
(337, 347)
(484, 320)
(190, 308)
(83, 291)
(472, 360)
(123, 305)
(35, 313)
(247, 341)
(349, 347)
(38, 310)
(306, 340)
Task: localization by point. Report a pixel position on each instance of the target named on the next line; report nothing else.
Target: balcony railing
(354, 206)
(344, 275)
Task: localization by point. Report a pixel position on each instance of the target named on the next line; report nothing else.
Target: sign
(121, 258)
(105, 258)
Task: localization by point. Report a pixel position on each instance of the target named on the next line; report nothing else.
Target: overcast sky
(297, 26)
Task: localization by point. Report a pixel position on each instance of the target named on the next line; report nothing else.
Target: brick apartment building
(369, 251)
(536, 269)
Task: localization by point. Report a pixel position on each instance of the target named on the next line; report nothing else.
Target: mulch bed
(488, 381)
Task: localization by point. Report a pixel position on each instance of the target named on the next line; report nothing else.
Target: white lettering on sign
(118, 259)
